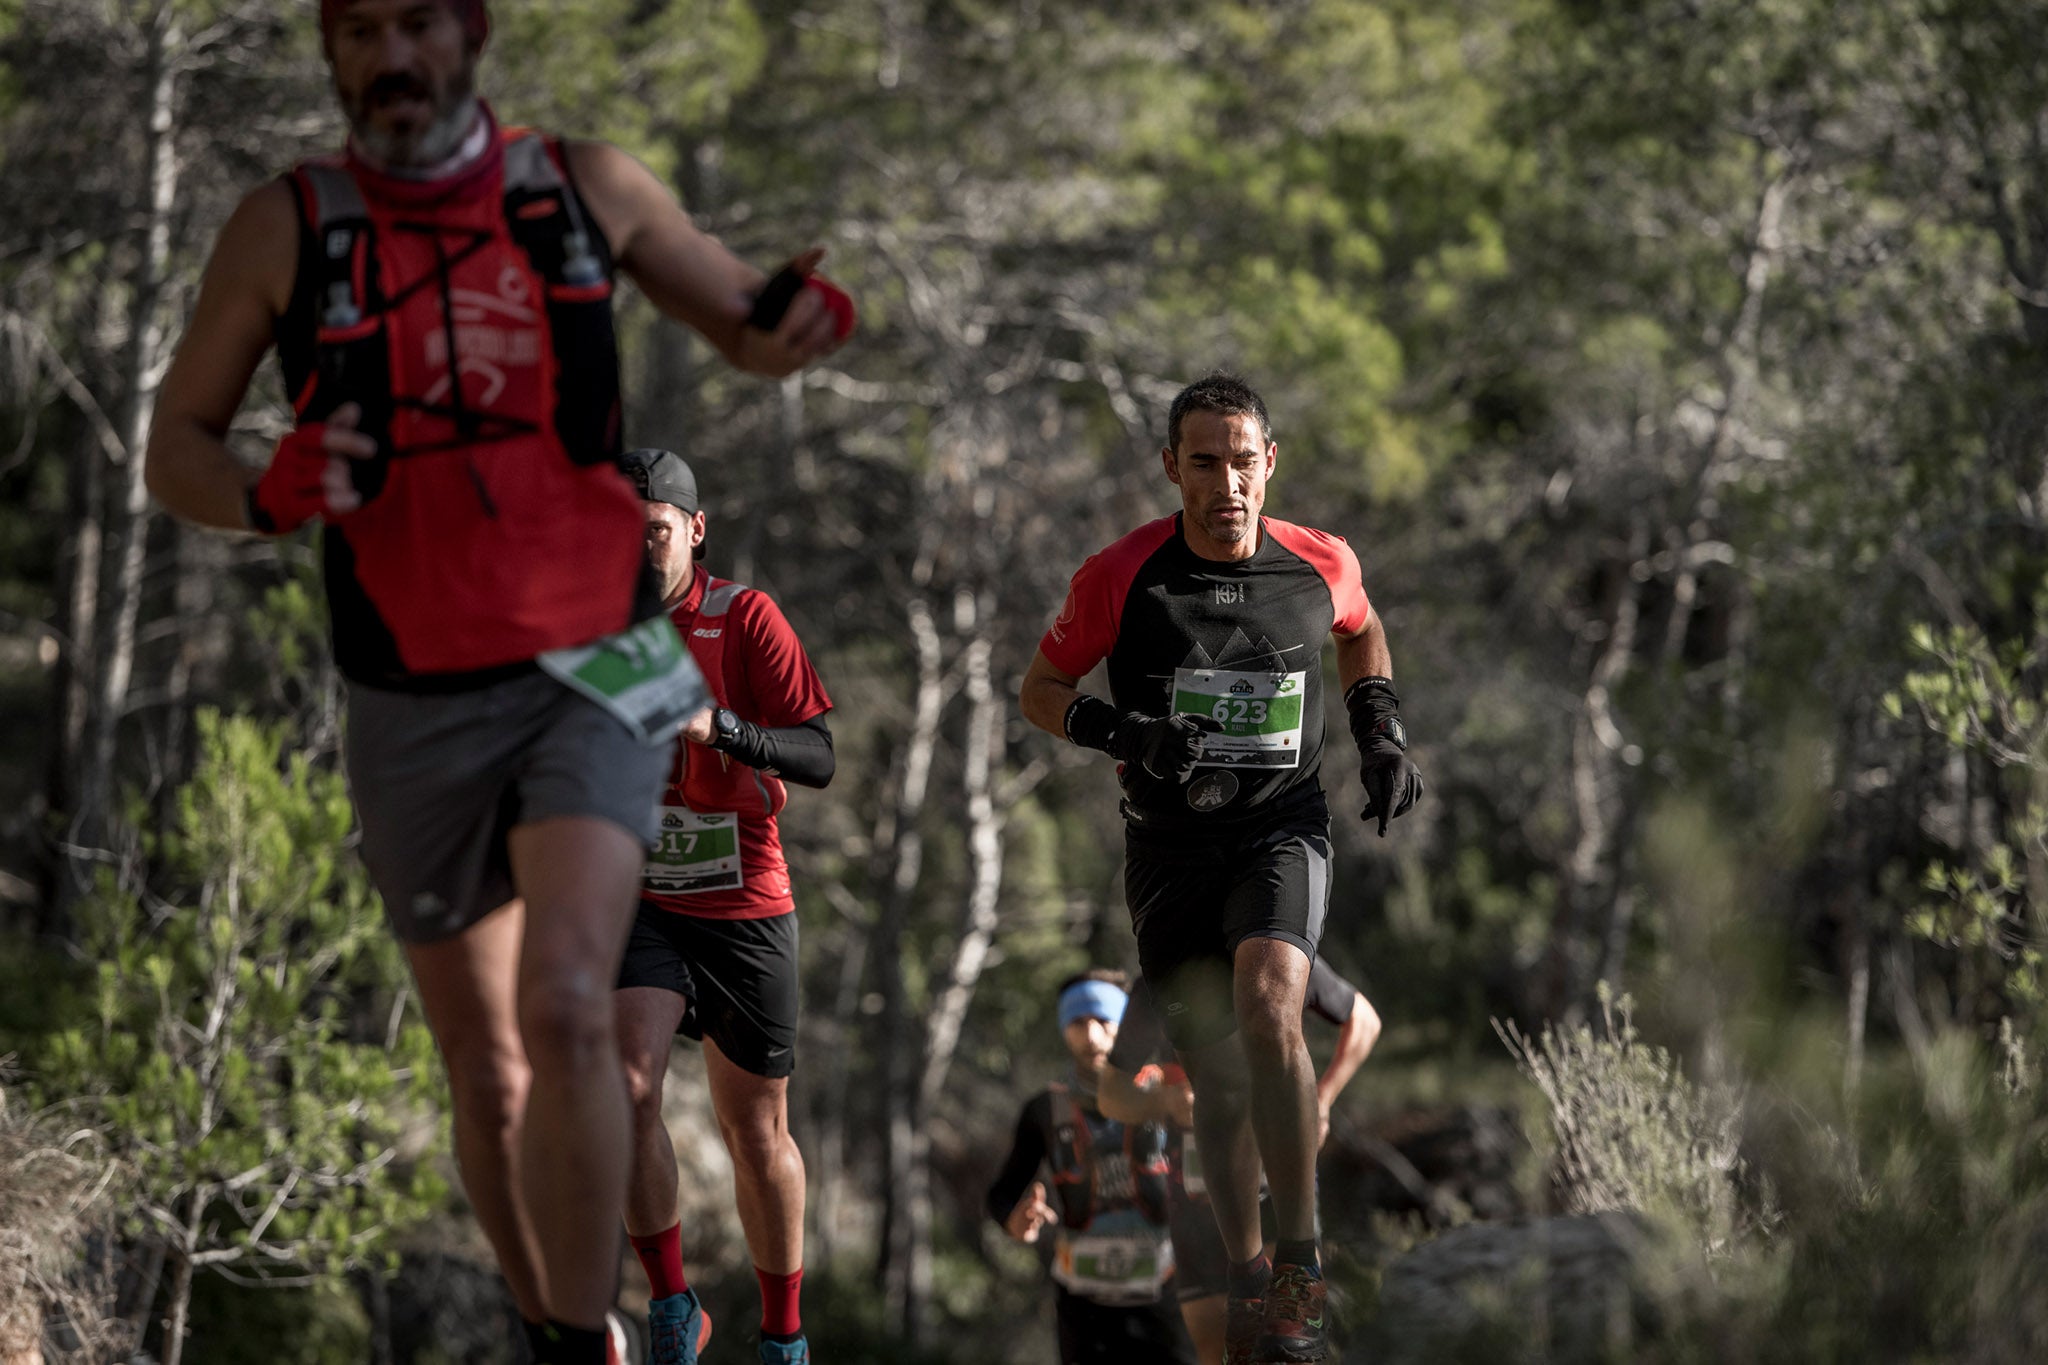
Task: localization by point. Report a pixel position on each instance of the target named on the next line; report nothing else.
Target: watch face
(728, 722)
(1392, 728)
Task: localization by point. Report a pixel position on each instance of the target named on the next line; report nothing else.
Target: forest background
(1675, 368)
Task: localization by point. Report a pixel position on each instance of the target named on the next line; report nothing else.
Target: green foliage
(237, 1042)
(1990, 907)
(1634, 1133)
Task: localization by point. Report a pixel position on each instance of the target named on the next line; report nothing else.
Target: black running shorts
(440, 780)
(1192, 906)
(739, 976)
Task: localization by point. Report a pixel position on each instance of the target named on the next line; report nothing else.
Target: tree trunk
(900, 1050)
(1599, 755)
(143, 364)
(834, 1092)
(963, 974)
(178, 1311)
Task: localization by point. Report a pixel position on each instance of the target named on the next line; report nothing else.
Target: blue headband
(1092, 1000)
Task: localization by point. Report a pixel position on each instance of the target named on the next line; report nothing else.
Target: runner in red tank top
(713, 951)
(440, 296)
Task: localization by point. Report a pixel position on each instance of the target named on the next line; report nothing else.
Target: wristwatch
(725, 727)
(1393, 729)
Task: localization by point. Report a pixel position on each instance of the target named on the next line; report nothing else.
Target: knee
(566, 1020)
(758, 1142)
(488, 1080)
(644, 1079)
(1271, 1032)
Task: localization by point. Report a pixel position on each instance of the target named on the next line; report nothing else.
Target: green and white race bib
(643, 675)
(1260, 713)
(1114, 1267)
(694, 853)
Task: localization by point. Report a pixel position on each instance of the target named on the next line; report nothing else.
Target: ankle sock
(557, 1343)
(1306, 1254)
(780, 1319)
(1247, 1279)
(661, 1256)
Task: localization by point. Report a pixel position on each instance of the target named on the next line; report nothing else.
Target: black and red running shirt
(1239, 640)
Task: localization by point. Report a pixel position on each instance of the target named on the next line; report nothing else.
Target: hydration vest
(1085, 1154)
(710, 780)
(471, 322)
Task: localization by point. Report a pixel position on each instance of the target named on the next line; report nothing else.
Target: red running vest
(471, 320)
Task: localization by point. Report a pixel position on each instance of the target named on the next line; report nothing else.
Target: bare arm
(1046, 694)
(1354, 1044)
(247, 285)
(1119, 1096)
(1365, 654)
(688, 274)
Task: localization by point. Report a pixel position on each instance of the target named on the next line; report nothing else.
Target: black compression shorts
(1191, 908)
(739, 975)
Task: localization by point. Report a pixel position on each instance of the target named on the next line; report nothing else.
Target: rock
(1449, 1164)
(444, 1307)
(1558, 1290)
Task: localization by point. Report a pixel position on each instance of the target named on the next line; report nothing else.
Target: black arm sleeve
(795, 753)
(1329, 995)
(1027, 1153)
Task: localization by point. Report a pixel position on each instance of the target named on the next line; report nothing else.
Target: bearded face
(405, 72)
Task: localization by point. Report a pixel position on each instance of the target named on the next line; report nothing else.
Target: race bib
(1260, 714)
(642, 675)
(1114, 1266)
(694, 853)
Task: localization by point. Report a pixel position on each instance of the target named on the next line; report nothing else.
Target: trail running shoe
(617, 1341)
(1243, 1320)
(1293, 1329)
(797, 1352)
(677, 1328)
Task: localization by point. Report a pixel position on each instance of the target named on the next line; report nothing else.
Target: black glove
(1392, 783)
(1165, 746)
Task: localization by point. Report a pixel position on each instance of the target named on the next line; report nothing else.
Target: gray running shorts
(441, 778)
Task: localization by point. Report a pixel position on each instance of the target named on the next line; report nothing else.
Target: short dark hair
(1110, 975)
(1217, 391)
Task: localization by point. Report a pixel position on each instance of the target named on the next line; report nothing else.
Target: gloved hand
(772, 303)
(1392, 783)
(309, 475)
(1165, 746)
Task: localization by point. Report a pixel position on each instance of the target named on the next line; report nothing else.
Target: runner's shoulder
(1123, 557)
(258, 247)
(1329, 554)
(1307, 540)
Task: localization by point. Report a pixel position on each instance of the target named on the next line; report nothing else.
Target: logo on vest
(1212, 791)
(1229, 594)
(708, 634)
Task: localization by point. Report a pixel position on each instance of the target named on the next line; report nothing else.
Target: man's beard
(424, 146)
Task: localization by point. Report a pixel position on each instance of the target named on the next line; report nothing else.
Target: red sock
(662, 1257)
(779, 1316)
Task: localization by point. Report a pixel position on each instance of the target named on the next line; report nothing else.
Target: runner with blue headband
(1110, 1254)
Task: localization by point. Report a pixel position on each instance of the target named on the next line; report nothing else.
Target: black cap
(661, 476)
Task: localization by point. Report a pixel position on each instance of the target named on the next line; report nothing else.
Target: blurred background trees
(1675, 368)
